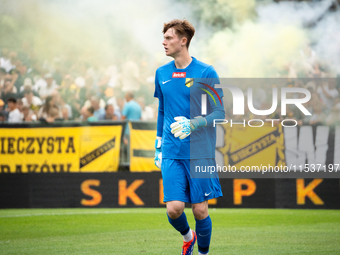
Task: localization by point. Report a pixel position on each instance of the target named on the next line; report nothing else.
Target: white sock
(202, 253)
(188, 236)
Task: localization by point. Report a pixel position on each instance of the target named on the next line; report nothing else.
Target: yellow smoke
(254, 50)
(241, 9)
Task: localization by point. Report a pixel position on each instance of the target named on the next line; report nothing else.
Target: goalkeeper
(184, 138)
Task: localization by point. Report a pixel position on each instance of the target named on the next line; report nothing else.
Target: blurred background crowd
(63, 91)
(62, 60)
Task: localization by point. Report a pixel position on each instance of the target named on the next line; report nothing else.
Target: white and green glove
(158, 153)
(183, 127)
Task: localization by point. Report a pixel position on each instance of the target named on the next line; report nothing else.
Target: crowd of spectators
(307, 72)
(33, 91)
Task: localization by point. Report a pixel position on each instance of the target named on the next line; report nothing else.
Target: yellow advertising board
(142, 146)
(60, 149)
(249, 146)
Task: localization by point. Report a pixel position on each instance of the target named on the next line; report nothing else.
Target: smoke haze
(240, 38)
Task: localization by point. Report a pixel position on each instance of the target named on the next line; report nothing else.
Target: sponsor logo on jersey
(179, 74)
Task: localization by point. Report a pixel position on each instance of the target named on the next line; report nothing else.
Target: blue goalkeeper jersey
(179, 95)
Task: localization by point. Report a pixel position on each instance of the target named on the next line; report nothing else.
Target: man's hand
(158, 153)
(183, 127)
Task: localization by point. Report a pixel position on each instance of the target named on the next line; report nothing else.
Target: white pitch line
(71, 213)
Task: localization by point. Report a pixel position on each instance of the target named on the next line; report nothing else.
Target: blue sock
(203, 231)
(180, 224)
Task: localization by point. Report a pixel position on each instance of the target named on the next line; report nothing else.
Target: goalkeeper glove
(183, 127)
(158, 153)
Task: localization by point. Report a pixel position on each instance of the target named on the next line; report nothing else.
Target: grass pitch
(146, 231)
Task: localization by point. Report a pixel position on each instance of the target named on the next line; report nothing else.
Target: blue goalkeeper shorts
(188, 180)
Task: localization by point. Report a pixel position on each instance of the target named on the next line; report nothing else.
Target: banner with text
(278, 152)
(124, 189)
(55, 149)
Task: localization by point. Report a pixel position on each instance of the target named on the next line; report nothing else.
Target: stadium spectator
(318, 117)
(147, 111)
(328, 93)
(46, 88)
(28, 115)
(69, 93)
(57, 74)
(31, 101)
(15, 76)
(80, 80)
(309, 61)
(2, 117)
(90, 117)
(83, 113)
(8, 90)
(89, 94)
(27, 84)
(19, 106)
(2, 77)
(38, 79)
(110, 77)
(68, 89)
(110, 93)
(85, 94)
(130, 76)
(45, 112)
(14, 115)
(99, 112)
(334, 117)
(109, 113)
(315, 100)
(2, 112)
(120, 102)
(61, 104)
(21, 71)
(293, 112)
(132, 110)
(53, 116)
(65, 113)
(6, 60)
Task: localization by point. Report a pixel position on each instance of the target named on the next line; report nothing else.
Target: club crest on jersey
(179, 74)
(189, 82)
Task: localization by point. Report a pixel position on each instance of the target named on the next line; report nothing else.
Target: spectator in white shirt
(33, 102)
(147, 111)
(328, 93)
(6, 59)
(14, 113)
(48, 87)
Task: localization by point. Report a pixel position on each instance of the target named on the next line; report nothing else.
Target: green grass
(146, 231)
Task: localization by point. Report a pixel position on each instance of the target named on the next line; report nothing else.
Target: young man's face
(172, 43)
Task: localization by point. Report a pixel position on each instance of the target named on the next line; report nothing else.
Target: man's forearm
(160, 122)
(217, 114)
